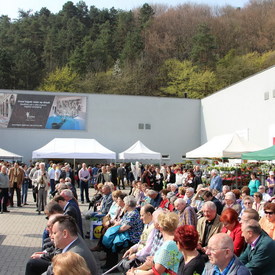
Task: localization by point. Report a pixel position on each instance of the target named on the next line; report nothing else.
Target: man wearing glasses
(222, 260)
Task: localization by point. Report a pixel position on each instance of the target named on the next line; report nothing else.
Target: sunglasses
(268, 213)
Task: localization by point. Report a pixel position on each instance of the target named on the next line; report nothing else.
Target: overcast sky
(11, 7)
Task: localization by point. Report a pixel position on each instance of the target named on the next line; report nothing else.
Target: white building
(171, 126)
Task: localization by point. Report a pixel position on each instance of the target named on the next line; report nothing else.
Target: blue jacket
(112, 238)
(216, 183)
(237, 268)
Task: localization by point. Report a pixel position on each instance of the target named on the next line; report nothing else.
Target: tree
(26, 67)
(233, 68)
(61, 80)
(182, 77)
(6, 72)
(146, 13)
(203, 48)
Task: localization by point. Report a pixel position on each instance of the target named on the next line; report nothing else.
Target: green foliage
(183, 77)
(148, 51)
(233, 68)
(6, 79)
(61, 80)
(203, 48)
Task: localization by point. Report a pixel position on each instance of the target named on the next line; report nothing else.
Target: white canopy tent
(73, 148)
(139, 151)
(8, 155)
(224, 146)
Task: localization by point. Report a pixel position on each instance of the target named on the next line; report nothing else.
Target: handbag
(168, 271)
(106, 221)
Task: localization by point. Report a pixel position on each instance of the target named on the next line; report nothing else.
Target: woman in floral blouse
(167, 258)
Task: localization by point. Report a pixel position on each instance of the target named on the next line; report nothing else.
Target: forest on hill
(190, 50)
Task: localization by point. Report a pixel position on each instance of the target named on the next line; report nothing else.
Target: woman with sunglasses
(267, 222)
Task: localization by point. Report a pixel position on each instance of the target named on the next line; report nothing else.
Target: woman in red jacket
(232, 227)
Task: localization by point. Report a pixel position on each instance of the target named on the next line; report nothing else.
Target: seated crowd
(169, 223)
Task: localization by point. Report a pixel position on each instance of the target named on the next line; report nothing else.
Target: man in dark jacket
(259, 254)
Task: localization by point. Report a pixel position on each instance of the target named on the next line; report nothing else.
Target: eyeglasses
(211, 250)
(268, 213)
(256, 196)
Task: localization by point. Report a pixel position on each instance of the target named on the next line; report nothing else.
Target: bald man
(222, 260)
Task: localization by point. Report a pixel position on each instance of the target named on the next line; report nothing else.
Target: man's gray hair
(230, 195)
(130, 201)
(174, 185)
(180, 200)
(254, 226)
(151, 192)
(214, 171)
(227, 187)
(68, 193)
(190, 189)
(209, 205)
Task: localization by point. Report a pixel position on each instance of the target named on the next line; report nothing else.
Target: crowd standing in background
(167, 222)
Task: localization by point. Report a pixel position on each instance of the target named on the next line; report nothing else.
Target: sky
(11, 7)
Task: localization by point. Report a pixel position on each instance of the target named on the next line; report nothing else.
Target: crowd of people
(166, 222)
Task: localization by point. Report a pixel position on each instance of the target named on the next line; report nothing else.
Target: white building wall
(113, 120)
(242, 107)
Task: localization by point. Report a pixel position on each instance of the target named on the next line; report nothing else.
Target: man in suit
(113, 171)
(121, 173)
(67, 172)
(16, 177)
(70, 207)
(65, 237)
(259, 254)
(209, 224)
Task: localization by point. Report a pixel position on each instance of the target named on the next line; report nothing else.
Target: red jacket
(238, 240)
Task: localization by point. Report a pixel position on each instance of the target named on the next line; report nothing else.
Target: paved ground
(21, 235)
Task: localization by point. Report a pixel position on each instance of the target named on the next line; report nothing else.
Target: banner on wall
(43, 111)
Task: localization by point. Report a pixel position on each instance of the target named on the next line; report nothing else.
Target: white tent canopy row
(224, 146)
(8, 155)
(139, 151)
(73, 148)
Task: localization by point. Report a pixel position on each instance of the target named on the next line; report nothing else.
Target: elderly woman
(232, 227)
(267, 222)
(130, 223)
(192, 262)
(258, 203)
(247, 203)
(70, 263)
(167, 258)
(230, 202)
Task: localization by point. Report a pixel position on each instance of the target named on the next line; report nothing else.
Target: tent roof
(139, 151)
(265, 154)
(73, 148)
(224, 146)
(8, 155)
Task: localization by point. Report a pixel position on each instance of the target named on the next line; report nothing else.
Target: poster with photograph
(43, 111)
